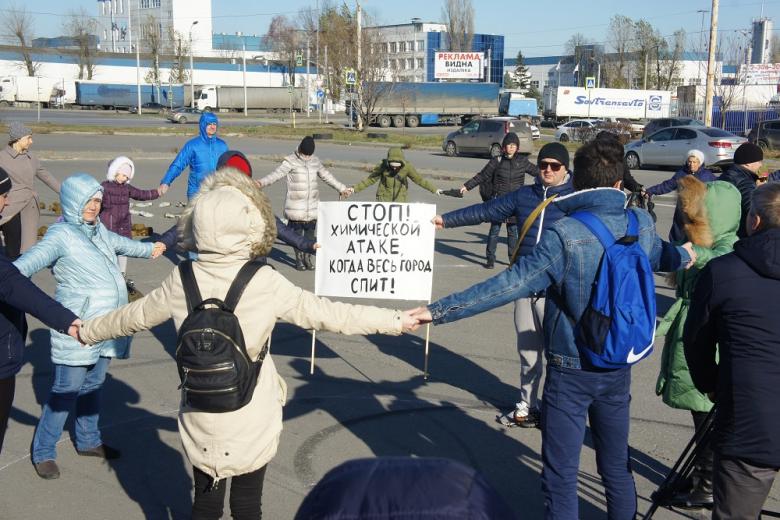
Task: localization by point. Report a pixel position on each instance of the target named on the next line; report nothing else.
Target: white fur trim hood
(114, 165)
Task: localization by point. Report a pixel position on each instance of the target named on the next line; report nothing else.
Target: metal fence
(738, 120)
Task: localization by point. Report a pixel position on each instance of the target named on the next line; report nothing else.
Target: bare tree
(647, 46)
(82, 27)
(19, 24)
(284, 38)
(181, 51)
(732, 50)
(153, 44)
(458, 15)
(336, 23)
(621, 33)
(670, 69)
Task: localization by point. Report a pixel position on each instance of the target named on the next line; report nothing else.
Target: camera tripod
(682, 469)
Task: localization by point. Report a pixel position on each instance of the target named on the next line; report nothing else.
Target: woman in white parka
(230, 222)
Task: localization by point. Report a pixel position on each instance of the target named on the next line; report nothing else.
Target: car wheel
(563, 138)
(412, 121)
(632, 161)
(183, 120)
(207, 109)
(763, 145)
(399, 121)
(383, 121)
(451, 150)
(495, 150)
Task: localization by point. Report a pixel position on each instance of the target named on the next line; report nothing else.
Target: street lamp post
(192, 72)
(243, 60)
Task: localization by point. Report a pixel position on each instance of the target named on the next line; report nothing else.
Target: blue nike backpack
(617, 327)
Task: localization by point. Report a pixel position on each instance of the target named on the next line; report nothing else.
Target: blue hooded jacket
(200, 154)
(89, 282)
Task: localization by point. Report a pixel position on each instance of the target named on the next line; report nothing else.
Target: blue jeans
(570, 397)
(79, 386)
(492, 243)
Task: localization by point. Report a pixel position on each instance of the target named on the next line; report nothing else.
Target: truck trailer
(91, 94)
(515, 104)
(599, 103)
(412, 104)
(274, 99)
(17, 90)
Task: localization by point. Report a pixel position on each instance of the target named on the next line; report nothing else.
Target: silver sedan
(668, 147)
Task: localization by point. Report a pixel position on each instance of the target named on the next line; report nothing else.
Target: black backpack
(216, 372)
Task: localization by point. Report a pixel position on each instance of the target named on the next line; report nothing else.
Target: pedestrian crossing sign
(590, 82)
(350, 77)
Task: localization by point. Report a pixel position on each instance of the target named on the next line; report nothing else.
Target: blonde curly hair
(234, 178)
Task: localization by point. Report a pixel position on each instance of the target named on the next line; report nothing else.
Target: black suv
(654, 125)
(766, 134)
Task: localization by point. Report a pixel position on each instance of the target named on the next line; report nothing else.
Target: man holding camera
(732, 343)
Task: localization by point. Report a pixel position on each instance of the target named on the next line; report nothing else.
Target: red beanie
(237, 160)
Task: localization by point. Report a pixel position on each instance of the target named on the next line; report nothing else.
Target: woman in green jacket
(393, 175)
(711, 219)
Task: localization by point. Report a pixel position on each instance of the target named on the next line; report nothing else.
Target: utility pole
(243, 61)
(711, 65)
(308, 77)
(359, 79)
(657, 67)
(644, 81)
(113, 26)
(326, 86)
(137, 52)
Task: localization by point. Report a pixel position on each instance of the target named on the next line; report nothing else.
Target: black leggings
(245, 493)
(12, 236)
(7, 387)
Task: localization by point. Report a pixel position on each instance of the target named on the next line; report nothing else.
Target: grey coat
(23, 199)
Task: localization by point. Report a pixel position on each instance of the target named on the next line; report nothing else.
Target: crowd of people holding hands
(720, 342)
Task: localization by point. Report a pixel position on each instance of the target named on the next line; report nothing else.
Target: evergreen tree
(522, 76)
(509, 80)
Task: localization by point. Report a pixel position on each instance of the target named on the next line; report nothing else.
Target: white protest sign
(375, 250)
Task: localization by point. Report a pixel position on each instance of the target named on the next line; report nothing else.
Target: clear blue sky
(537, 27)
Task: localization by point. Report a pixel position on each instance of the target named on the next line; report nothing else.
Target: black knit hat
(748, 153)
(510, 138)
(554, 151)
(307, 146)
(5, 182)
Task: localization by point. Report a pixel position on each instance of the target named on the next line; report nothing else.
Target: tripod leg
(683, 466)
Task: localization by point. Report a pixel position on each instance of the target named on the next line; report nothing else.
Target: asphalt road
(366, 398)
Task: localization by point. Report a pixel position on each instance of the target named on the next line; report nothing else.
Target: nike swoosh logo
(633, 358)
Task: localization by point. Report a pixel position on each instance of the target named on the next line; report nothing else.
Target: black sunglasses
(543, 165)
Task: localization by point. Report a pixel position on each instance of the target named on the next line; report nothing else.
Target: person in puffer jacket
(301, 171)
(505, 173)
(710, 214)
(83, 254)
(17, 296)
(117, 192)
(200, 154)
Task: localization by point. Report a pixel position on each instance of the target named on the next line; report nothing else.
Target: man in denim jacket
(567, 256)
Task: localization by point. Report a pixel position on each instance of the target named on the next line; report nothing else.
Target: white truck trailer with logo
(595, 103)
(20, 90)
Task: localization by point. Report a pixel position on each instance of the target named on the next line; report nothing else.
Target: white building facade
(405, 49)
(167, 17)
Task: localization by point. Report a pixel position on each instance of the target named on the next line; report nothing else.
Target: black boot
(299, 265)
(700, 494)
(307, 261)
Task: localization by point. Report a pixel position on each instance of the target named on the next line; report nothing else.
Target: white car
(574, 130)
(535, 133)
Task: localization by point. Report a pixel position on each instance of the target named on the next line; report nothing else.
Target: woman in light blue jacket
(83, 256)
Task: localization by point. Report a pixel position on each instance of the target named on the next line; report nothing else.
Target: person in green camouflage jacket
(393, 175)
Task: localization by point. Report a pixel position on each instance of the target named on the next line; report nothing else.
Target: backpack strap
(191, 291)
(529, 221)
(596, 226)
(243, 277)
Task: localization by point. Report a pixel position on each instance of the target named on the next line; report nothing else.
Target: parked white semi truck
(275, 99)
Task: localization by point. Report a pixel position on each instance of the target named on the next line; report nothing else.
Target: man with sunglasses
(554, 179)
